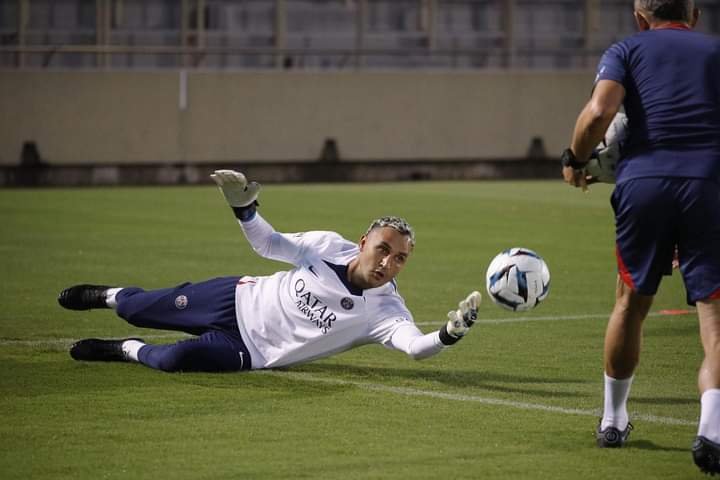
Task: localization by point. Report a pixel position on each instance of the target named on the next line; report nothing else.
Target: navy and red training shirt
(672, 82)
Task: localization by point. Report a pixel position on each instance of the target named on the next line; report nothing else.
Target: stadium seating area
(314, 34)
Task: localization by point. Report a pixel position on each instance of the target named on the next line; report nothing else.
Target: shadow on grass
(50, 373)
(672, 330)
(664, 400)
(648, 445)
(45, 372)
(486, 380)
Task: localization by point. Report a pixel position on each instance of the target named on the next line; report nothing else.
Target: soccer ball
(518, 279)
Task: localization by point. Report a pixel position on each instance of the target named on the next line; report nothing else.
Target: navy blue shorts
(653, 217)
(205, 309)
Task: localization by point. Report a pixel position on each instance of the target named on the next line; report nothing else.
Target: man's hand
(578, 178)
(574, 171)
(460, 320)
(238, 192)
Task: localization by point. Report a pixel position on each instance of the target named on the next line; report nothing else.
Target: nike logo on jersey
(597, 77)
(312, 270)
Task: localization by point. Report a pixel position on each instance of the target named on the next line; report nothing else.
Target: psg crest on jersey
(181, 302)
(347, 303)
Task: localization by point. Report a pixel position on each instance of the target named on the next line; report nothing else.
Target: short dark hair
(395, 223)
(667, 9)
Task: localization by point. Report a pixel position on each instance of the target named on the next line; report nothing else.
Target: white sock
(710, 415)
(615, 409)
(131, 348)
(110, 297)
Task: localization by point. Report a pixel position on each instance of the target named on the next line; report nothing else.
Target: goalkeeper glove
(603, 163)
(460, 320)
(239, 194)
(606, 156)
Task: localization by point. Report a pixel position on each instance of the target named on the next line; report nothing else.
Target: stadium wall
(173, 118)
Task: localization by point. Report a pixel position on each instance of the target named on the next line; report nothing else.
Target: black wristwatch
(568, 159)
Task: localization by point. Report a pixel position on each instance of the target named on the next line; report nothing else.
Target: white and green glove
(238, 192)
(240, 195)
(604, 159)
(460, 320)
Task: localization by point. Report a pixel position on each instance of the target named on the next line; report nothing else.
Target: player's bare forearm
(593, 121)
(589, 131)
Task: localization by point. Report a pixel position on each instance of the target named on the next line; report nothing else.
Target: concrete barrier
(148, 118)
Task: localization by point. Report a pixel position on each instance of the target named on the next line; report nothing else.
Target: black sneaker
(96, 350)
(706, 454)
(612, 437)
(83, 297)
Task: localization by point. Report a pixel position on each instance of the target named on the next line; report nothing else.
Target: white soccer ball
(518, 279)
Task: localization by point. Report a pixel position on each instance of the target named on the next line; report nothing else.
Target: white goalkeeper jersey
(312, 311)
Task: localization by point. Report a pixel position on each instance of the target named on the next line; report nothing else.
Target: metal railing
(514, 37)
(194, 34)
(297, 58)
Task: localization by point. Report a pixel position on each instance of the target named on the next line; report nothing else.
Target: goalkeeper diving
(338, 295)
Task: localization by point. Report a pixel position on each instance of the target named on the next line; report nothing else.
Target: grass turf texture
(518, 398)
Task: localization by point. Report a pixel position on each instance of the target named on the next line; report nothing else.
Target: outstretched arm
(242, 195)
(410, 340)
(239, 194)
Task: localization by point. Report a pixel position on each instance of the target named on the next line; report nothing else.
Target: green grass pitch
(518, 398)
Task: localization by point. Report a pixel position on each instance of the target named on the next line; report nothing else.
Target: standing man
(667, 193)
(339, 295)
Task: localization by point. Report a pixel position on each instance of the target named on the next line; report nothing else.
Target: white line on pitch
(414, 392)
(399, 390)
(68, 341)
(548, 318)
(490, 321)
